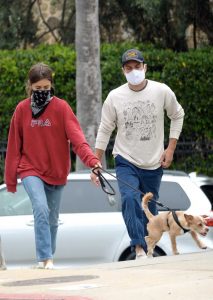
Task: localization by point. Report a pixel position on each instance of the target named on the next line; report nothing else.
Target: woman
(41, 131)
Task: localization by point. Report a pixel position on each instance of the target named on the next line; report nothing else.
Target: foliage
(25, 23)
(18, 29)
(165, 22)
(188, 74)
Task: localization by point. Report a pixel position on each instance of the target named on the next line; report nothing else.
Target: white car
(90, 229)
(205, 183)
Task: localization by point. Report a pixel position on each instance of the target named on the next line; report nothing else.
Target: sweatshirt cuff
(174, 134)
(11, 188)
(101, 145)
(93, 162)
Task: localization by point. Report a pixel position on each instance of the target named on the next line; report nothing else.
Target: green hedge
(189, 74)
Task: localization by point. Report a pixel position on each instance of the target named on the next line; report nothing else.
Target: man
(136, 109)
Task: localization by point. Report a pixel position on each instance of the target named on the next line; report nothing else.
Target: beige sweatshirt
(139, 118)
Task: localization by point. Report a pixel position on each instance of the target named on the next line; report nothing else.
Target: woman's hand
(93, 176)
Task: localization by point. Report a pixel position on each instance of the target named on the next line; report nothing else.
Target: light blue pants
(45, 199)
(144, 181)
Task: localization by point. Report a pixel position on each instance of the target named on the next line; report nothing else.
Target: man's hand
(93, 176)
(166, 158)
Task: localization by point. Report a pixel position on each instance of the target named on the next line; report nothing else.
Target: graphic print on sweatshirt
(40, 123)
(140, 120)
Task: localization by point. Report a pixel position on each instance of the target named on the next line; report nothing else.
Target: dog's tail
(146, 198)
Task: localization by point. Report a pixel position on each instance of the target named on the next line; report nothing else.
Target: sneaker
(140, 256)
(40, 265)
(3, 267)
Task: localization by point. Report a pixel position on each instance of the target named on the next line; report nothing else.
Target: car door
(90, 228)
(16, 227)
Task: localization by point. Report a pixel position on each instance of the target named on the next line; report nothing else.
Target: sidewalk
(183, 277)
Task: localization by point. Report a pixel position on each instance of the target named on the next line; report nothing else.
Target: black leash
(104, 183)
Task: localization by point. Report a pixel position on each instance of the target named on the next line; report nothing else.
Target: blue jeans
(145, 181)
(45, 199)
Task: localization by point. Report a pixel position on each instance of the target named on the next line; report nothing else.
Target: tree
(200, 15)
(67, 22)
(57, 21)
(88, 74)
(161, 22)
(18, 30)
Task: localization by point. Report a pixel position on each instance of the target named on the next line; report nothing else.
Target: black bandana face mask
(39, 100)
(39, 97)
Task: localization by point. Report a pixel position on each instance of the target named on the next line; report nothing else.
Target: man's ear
(145, 67)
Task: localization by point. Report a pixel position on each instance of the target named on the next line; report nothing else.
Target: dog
(176, 223)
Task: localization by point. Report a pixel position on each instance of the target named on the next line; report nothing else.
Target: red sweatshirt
(41, 147)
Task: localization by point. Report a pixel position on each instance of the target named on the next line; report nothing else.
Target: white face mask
(135, 77)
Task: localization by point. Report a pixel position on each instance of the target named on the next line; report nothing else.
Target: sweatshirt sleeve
(77, 139)
(107, 125)
(175, 112)
(13, 154)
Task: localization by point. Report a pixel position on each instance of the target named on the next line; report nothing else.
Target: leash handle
(106, 186)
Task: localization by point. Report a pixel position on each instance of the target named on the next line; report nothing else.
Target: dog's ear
(189, 218)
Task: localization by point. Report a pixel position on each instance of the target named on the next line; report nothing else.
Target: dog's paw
(202, 245)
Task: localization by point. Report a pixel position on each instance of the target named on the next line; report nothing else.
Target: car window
(208, 190)
(15, 204)
(81, 196)
(172, 195)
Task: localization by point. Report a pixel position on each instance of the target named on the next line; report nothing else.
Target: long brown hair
(38, 72)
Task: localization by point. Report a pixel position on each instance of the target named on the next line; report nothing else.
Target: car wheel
(158, 252)
(130, 256)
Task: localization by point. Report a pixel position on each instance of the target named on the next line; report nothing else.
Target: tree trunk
(88, 74)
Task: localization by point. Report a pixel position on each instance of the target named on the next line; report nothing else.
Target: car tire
(130, 256)
(157, 252)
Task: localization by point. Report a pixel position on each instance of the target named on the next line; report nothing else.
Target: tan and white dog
(165, 222)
